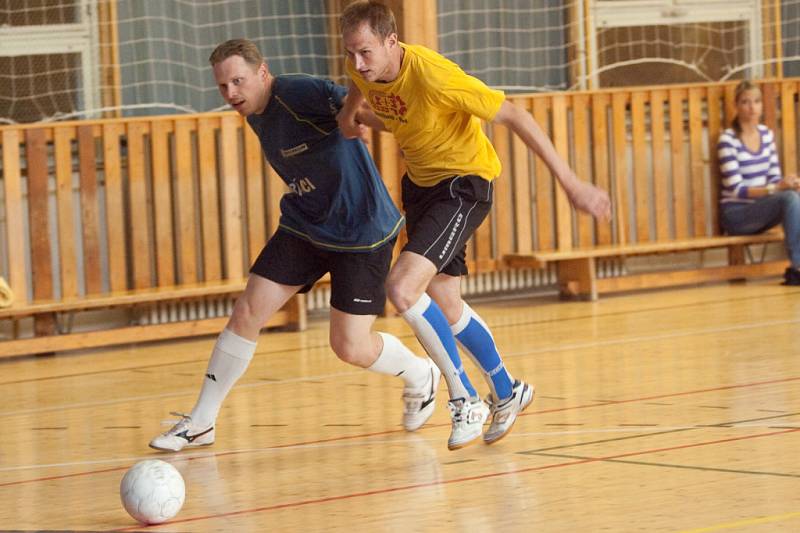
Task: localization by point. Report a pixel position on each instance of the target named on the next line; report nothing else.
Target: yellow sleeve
(468, 93)
(349, 69)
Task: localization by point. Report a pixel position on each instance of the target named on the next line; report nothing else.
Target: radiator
(167, 312)
(486, 284)
(503, 283)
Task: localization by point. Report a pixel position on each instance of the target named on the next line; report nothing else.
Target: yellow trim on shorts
(373, 246)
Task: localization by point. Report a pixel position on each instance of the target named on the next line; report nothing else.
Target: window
(47, 59)
(637, 42)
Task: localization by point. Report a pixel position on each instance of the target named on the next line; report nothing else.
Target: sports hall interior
(132, 204)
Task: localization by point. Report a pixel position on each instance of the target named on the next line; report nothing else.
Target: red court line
(429, 426)
(221, 454)
(662, 396)
(401, 488)
(76, 474)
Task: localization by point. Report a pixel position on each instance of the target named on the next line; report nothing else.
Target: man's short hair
(244, 48)
(379, 17)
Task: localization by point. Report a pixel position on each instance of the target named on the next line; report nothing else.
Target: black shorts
(441, 219)
(357, 279)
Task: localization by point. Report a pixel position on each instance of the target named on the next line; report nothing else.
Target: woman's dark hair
(743, 87)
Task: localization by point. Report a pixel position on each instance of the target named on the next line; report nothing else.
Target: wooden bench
(131, 213)
(138, 212)
(577, 268)
(654, 150)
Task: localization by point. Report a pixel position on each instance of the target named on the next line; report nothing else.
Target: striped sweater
(742, 169)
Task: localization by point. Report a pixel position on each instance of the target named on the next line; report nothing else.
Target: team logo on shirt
(299, 149)
(388, 106)
(301, 186)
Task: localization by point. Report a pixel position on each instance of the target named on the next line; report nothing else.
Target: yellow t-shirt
(434, 108)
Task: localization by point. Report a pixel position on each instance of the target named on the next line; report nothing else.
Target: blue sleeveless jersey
(337, 201)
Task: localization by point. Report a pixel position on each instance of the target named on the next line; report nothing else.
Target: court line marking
(338, 443)
(186, 392)
(570, 347)
(664, 336)
(411, 336)
(675, 466)
(665, 395)
(430, 426)
(659, 431)
(150, 366)
(478, 477)
(747, 522)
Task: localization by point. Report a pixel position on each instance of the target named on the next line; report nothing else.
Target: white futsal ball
(152, 491)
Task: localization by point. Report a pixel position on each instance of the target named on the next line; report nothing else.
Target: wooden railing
(654, 149)
(126, 212)
(123, 212)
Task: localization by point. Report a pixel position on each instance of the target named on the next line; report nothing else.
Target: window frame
(73, 38)
(633, 13)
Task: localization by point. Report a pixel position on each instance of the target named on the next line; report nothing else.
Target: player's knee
(401, 294)
(244, 317)
(348, 350)
(452, 309)
(449, 302)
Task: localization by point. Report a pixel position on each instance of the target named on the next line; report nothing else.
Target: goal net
(68, 59)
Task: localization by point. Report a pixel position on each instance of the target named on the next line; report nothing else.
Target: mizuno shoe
(420, 403)
(183, 434)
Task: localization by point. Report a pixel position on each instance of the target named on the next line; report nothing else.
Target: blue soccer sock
(474, 336)
(433, 332)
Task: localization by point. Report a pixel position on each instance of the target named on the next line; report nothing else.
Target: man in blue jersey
(337, 218)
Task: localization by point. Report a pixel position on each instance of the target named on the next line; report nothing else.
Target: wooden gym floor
(656, 411)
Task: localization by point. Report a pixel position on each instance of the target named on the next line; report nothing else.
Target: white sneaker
(468, 418)
(183, 434)
(505, 414)
(420, 403)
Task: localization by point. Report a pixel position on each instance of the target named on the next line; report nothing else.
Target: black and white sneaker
(183, 434)
(467, 417)
(504, 414)
(420, 403)
(791, 276)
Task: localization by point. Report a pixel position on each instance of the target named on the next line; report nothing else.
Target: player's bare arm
(347, 117)
(367, 117)
(583, 195)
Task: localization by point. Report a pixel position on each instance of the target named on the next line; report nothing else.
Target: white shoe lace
(466, 413)
(456, 411)
(179, 425)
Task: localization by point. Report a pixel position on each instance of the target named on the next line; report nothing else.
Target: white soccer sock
(229, 360)
(397, 360)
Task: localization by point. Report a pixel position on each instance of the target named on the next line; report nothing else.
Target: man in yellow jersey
(434, 110)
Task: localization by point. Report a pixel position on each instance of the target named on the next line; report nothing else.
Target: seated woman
(755, 197)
